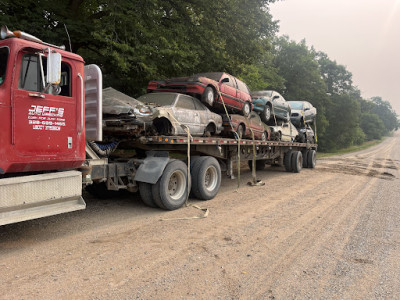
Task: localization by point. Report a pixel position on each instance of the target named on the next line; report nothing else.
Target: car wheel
(279, 136)
(246, 109)
(264, 136)
(171, 188)
(208, 96)
(297, 161)
(240, 131)
(210, 130)
(266, 114)
(206, 178)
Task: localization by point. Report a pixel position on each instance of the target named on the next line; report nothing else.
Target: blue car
(271, 106)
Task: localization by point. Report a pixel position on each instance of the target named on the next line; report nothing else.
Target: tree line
(140, 40)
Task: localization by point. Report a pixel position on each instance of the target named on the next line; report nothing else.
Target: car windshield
(296, 105)
(3, 63)
(214, 76)
(259, 94)
(160, 99)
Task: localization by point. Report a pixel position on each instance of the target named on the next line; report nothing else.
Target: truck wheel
(206, 178)
(100, 191)
(146, 194)
(170, 191)
(260, 164)
(297, 161)
(305, 158)
(208, 96)
(287, 161)
(312, 159)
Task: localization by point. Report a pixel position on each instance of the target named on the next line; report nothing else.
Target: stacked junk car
(62, 133)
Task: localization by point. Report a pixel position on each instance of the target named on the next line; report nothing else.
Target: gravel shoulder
(332, 232)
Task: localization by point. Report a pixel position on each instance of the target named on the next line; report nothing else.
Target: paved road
(328, 233)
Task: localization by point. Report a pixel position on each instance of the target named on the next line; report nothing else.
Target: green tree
(372, 126)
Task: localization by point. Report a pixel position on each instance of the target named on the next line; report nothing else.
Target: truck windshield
(161, 99)
(3, 63)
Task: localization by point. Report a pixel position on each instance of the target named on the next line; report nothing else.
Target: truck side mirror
(53, 68)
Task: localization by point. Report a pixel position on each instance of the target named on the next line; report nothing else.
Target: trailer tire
(297, 161)
(312, 159)
(145, 190)
(305, 158)
(287, 161)
(170, 191)
(260, 164)
(206, 178)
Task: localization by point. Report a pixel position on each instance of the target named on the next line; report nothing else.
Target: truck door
(44, 121)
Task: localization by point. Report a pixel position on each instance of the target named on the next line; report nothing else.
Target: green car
(271, 106)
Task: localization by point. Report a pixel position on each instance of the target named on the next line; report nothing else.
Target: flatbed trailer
(197, 165)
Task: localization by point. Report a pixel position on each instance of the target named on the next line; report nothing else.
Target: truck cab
(42, 124)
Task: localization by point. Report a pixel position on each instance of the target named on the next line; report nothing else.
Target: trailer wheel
(287, 161)
(305, 158)
(312, 159)
(206, 178)
(170, 191)
(297, 161)
(146, 194)
(260, 164)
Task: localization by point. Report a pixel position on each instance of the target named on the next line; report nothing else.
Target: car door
(256, 124)
(228, 87)
(277, 104)
(185, 113)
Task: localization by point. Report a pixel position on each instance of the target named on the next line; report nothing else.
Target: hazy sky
(363, 35)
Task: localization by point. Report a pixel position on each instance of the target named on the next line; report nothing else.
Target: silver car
(171, 112)
(303, 112)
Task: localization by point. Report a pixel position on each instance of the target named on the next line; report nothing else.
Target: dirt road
(328, 233)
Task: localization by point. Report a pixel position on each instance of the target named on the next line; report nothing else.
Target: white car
(285, 132)
(172, 110)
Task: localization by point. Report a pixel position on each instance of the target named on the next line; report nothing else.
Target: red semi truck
(51, 124)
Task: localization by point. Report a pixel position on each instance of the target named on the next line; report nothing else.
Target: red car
(206, 87)
(242, 125)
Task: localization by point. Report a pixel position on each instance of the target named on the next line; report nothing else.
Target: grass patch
(355, 148)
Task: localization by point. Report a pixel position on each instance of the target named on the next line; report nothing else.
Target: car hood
(117, 103)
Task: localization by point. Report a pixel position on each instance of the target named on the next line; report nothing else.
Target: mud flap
(36, 196)
(152, 167)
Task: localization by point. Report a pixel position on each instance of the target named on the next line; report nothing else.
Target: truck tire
(260, 164)
(100, 191)
(312, 159)
(305, 158)
(206, 178)
(297, 161)
(287, 161)
(145, 190)
(170, 191)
